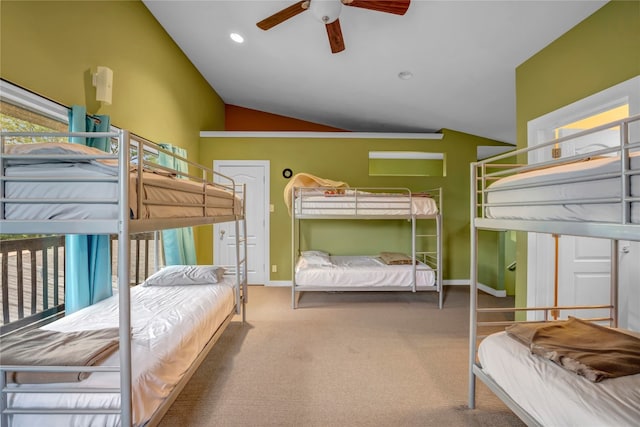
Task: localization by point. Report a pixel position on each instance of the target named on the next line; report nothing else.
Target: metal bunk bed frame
(487, 171)
(406, 213)
(122, 226)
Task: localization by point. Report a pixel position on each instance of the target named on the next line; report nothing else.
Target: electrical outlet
(274, 268)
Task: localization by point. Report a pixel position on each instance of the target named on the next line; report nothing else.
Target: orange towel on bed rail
(308, 180)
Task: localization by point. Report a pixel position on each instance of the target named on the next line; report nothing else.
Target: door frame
(266, 208)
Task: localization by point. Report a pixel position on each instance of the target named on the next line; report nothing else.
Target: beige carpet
(347, 359)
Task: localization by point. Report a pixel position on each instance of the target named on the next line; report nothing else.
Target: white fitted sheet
(549, 190)
(170, 326)
(362, 272)
(363, 205)
(555, 396)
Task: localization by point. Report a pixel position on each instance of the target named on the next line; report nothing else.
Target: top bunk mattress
(356, 203)
(44, 189)
(581, 191)
(170, 325)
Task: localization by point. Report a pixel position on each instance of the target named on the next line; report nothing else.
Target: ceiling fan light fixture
(326, 11)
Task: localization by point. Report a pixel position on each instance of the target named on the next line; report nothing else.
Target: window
(23, 111)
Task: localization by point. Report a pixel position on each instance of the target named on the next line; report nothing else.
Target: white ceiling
(462, 54)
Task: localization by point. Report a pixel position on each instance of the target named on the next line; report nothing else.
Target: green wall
(347, 160)
(601, 51)
(49, 47)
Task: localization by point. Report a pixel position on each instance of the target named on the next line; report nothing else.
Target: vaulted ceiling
(461, 57)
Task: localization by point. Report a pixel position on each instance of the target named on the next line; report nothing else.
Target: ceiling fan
(328, 11)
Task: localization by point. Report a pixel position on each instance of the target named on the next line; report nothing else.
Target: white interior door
(584, 282)
(254, 174)
(584, 274)
(629, 297)
(584, 264)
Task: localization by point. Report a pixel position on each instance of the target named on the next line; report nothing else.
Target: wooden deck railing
(33, 276)
(39, 293)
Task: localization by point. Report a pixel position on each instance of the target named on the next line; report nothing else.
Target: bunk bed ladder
(241, 258)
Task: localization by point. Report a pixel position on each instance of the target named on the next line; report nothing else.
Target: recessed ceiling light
(405, 75)
(236, 37)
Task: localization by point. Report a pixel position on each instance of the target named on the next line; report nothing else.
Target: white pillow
(316, 258)
(183, 275)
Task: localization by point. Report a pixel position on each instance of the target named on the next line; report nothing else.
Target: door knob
(222, 234)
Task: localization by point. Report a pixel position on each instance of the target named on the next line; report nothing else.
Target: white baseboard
(484, 288)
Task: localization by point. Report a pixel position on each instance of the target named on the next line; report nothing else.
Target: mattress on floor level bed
(383, 205)
(549, 190)
(555, 396)
(170, 325)
(362, 271)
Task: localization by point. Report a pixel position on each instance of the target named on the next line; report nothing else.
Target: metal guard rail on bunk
(204, 180)
(486, 172)
(123, 223)
(358, 202)
(369, 203)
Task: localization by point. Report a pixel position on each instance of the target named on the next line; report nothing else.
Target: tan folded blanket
(395, 258)
(590, 350)
(308, 180)
(51, 348)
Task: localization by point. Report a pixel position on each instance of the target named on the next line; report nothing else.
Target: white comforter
(170, 325)
(361, 272)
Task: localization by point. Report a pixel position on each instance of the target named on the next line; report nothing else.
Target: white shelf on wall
(337, 135)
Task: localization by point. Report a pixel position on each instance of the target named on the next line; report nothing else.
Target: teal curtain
(178, 243)
(87, 257)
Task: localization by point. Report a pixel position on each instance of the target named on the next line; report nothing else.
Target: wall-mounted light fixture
(103, 82)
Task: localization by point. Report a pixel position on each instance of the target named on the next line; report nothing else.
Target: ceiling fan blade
(335, 36)
(398, 7)
(283, 15)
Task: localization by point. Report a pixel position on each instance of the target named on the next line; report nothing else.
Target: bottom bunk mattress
(555, 396)
(170, 325)
(361, 272)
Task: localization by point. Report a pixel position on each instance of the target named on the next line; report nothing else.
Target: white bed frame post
(473, 292)
(614, 278)
(439, 256)
(123, 283)
(413, 247)
(293, 248)
(4, 418)
(241, 260)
